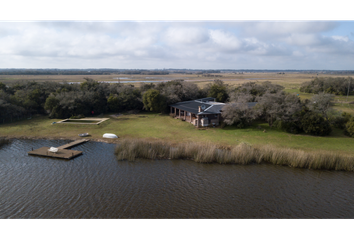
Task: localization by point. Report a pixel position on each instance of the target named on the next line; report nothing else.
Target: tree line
(273, 105)
(337, 86)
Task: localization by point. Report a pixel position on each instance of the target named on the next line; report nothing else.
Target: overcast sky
(178, 44)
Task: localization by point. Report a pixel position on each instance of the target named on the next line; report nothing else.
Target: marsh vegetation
(239, 154)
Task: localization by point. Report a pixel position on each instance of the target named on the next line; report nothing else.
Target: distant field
(288, 80)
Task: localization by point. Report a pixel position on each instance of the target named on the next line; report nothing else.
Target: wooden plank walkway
(72, 144)
(62, 153)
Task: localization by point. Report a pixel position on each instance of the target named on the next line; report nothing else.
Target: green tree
(314, 124)
(349, 127)
(113, 103)
(154, 101)
(50, 103)
(218, 90)
(2, 86)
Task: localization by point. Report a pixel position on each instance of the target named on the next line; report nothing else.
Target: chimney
(199, 108)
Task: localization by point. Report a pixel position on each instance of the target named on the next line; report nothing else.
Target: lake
(96, 185)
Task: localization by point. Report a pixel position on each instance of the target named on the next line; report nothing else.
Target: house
(200, 112)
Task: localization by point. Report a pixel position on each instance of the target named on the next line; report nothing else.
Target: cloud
(298, 54)
(341, 38)
(186, 36)
(175, 44)
(224, 40)
(276, 29)
(303, 39)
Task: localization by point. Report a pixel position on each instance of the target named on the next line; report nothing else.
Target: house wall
(213, 118)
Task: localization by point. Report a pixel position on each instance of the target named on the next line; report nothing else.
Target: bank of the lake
(153, 127)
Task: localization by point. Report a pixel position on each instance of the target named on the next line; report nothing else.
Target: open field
(288, 80)
(162, 127)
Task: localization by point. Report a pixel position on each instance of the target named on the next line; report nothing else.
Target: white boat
(110, 135)
(53, 149)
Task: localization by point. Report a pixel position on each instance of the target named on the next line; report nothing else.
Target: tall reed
(239, 154)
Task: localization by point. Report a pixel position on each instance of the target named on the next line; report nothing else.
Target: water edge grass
(239, 154)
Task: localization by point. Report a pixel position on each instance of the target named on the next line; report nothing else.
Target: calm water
(96, 185)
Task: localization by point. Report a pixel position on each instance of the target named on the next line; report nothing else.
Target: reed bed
(240, 154)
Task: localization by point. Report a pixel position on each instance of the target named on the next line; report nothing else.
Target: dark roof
(210, 107)
(190, 106)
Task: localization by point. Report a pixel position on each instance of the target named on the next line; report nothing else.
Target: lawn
(156, 126)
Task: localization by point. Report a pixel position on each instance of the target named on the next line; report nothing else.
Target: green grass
(151, 126)
(81, 121)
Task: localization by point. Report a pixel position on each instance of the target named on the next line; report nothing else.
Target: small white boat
(109, 135)
(53, 149)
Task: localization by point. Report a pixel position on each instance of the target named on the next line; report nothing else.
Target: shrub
(154, 101)
(349, 127)
(314, 124)
(289, 126)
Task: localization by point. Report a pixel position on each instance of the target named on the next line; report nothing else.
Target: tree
(50, 103)
(90, 84)
(321, 103)
(218, 90)
(278, 106)
(238, 114)
(349, 127)
(154, 101)
(314, 124)
(2, 86)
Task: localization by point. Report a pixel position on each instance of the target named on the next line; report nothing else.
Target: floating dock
(62, 153)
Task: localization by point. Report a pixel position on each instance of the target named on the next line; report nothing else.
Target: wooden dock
(72, 144)
(62, 153)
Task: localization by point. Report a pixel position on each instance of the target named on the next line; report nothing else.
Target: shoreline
(199, 152)
(58, 138)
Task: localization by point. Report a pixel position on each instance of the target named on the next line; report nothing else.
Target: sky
(191, 44)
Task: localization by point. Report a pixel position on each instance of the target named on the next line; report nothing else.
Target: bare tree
(238, 114)
(321, 103)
